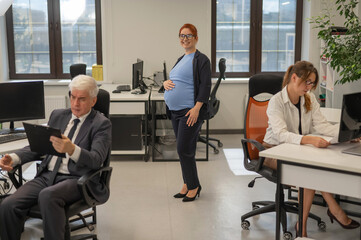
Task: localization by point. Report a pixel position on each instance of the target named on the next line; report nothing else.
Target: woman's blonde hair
(303, 70)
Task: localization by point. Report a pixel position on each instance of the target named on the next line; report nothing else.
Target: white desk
(155, 98)
(324, 169)
(10, 147)
(127, 104)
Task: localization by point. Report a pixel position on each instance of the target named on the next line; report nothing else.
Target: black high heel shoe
(180, 195)
(189, 199)
(353, 224)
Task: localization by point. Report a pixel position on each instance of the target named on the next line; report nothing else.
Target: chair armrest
(85, 179)
(260, 148)
(12, 174)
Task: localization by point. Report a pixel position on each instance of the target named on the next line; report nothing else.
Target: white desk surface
(330, 157)
(10, 147)
(156, 96)
(125, 95)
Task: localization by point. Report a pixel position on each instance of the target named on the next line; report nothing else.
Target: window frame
(255, 50)
(55, 44)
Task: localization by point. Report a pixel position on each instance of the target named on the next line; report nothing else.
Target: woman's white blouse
(283, 120)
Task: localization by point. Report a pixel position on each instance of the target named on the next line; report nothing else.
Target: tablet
(38, 137)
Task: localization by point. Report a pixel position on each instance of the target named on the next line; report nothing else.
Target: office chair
(87, 202)
(213, 106)
(256, 123)
(77, 69)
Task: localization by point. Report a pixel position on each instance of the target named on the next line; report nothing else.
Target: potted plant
(342, 48)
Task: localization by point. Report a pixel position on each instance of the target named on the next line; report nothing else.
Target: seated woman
(292, 114)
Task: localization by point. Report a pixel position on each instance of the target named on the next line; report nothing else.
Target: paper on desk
(332, 140)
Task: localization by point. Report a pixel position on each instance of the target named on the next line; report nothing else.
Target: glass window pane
(78, 33)
(31, 37)
(233, 34)
(278, 34)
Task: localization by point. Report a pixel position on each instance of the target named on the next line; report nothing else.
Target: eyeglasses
(310, 83)
(188, 36)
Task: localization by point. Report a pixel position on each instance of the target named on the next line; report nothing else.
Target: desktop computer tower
(126, 132)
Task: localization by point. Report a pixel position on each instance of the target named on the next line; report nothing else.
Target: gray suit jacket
(94, 139)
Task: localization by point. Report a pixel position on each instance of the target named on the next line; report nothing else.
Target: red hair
(191, 27)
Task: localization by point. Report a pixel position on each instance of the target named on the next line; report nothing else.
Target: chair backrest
(213, 101)
(256, 120)
(103, 102)
(77, 69)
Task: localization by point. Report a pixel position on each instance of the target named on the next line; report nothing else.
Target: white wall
(149, 30)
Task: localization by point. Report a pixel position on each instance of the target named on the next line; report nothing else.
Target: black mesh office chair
(256, 123)
(214, 106)
(87, 202)
(77, 69)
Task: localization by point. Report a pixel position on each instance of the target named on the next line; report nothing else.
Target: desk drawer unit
(126, 132)
(126, 118)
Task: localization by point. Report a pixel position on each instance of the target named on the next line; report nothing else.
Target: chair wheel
(216, 151)
(220, 144)
(322, 226)
(245, 225)
(287, 236)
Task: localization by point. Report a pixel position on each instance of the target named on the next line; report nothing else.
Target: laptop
(356, 150)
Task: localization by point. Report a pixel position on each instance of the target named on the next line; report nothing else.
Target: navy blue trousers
(186, 146)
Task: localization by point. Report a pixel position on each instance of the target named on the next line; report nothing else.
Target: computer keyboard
(12, 137)
(123, 87)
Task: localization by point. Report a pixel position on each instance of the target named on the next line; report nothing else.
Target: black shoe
(180, 195)
(353, 224)
(188, 199)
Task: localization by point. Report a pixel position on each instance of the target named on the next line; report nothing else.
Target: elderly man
(86, 141)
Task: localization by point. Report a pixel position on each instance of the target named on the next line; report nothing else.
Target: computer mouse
(116, 91)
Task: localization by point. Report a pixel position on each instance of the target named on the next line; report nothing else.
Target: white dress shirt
(283, 120)
(76, 154)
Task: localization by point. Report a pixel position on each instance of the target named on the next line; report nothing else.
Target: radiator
(51, 103)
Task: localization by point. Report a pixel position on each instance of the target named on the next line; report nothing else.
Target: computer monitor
(165, 77)
(350, 124)
(137, 73)
(165, 71)
(21, 101)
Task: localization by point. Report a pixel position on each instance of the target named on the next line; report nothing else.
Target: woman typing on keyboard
(294, 113)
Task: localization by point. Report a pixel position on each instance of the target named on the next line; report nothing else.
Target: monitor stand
(11, 129)
(356, 150)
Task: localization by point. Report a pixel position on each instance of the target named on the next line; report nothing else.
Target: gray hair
(84, 82)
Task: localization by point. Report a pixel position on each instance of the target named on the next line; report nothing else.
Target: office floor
(142, 207)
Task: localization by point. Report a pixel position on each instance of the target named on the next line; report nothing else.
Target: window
(256, 35)
(46, 36)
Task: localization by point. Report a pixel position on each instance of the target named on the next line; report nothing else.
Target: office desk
(125, 109)
(10, 147)
(155, 98)
(324, 169)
